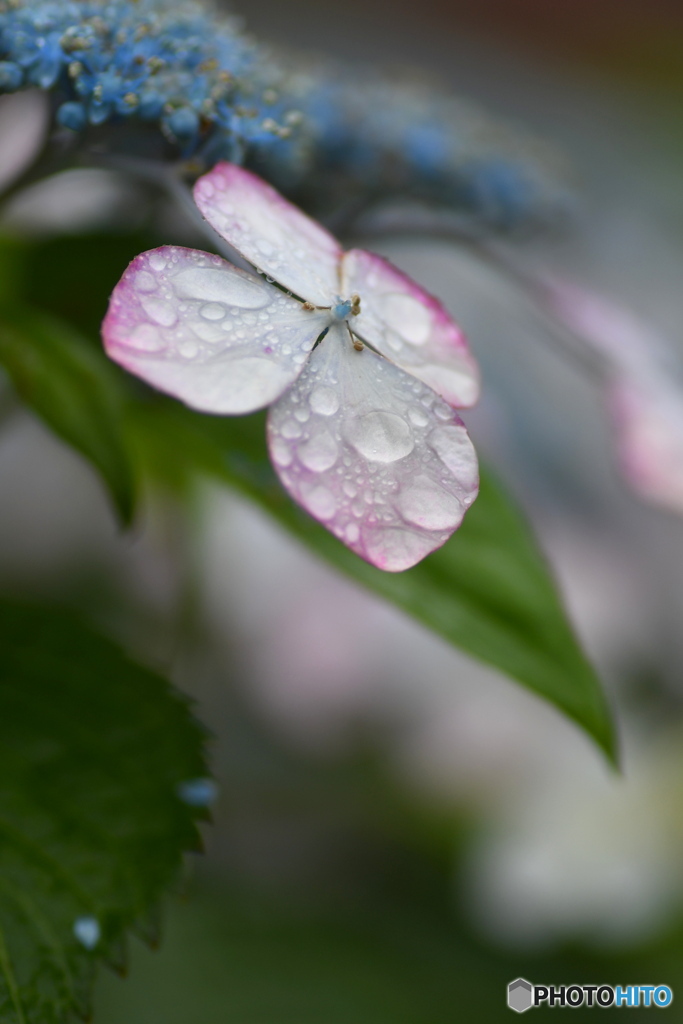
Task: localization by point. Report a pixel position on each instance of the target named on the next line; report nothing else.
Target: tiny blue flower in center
(349, 307)
(342, 310)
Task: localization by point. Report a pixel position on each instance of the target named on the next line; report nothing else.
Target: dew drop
(302, 414)
(212, 311)
(157, 261)
(290, 429)
(208, 331)
(281, 452)
(221, 284)
(188, 349)
(455, 450)
(145, 282)
(417, 417)
(320, 453)
(320, 502)
(352, 533)
(425, 504)
(443, 411)
(159, 310)
(324, 400)
(380, 436)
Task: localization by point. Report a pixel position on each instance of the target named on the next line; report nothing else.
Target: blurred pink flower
(361, 367)
(645, 393)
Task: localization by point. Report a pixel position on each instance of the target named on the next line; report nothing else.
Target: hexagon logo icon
(520, 995)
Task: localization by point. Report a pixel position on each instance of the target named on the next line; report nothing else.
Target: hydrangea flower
(362, 369)
(169, 78)
(643, 385)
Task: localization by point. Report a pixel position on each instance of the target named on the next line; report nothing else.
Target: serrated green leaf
(74, 390)
(488, 591)
(92, 751)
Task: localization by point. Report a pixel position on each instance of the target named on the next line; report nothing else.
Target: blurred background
(400, 831)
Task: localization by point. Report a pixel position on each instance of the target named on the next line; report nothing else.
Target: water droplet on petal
(425, 504)
(380, 436)
(157, 261)
(324, 401)
(212, 311)
(320, 453)
(221, 284)
(443, 411)
(417, 417)
(352, 533)
(290, 429)
(396, 549)
(145, 282)
(159, 310)
(321, 502)
(209, 331)
(455, 450)
(281, 452)
(188, 349)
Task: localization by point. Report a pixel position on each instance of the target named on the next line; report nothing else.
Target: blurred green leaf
(488, 591)
(73, 389)
(92, 751)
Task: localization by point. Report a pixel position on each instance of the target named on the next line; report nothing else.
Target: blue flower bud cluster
(205, 82)
(373, 140)
(327, 137)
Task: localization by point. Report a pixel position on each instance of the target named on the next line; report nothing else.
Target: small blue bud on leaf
(87, 930)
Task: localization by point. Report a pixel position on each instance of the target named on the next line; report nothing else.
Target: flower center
(342, 311)
(346, 308)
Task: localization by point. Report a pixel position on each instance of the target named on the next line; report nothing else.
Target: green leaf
(73, 389)
(93, 749)
(488, 591)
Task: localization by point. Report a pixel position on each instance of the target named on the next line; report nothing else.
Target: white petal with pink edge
(648, 416)
(273, 234)
(410, 327)
(373, 453)
(220, 339)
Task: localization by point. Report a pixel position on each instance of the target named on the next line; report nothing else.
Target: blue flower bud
(11, 76)
(183, 123)
(73, 116)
